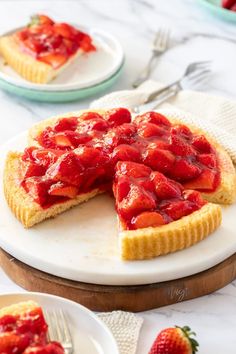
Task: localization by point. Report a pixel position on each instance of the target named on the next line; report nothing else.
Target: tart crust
(183, 233)
(25, 209)
(19, 309)
(26, 66)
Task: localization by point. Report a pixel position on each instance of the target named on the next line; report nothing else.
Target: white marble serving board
(82, 243)
(87, 70)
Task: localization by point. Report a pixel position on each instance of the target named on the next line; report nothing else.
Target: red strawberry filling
(152, 160)
(52, 43)
(149, 198)
(26, 334)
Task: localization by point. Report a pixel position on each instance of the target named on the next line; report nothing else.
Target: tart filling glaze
(25, 332)
(157, 168)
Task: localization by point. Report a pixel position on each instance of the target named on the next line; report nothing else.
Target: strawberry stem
(34, 21)
(188, 333)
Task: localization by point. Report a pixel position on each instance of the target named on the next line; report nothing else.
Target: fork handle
(158, 92)
(144, 75)
(162, 98)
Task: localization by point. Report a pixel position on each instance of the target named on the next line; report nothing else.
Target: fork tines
(58, 329)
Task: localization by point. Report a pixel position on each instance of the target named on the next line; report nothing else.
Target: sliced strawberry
(137, 200)
(28, 154)
(46, 157)
(123, 134)
(63, 190)
(64, 30)
(65, 140)
(180, 147)
(66, 124)
(30, 169)
(45, 138)
(166, 188)
(153, 117)
(182, 130)
(13, 343)
(160, 144)
(177, 209)
(208, 160)
(96, 124)
(183, 170)
(50, 348)
(67, 169)
(148, 130)
(90, 115)
(118, 116)
(62, 140)
(206, 181)
(201, 144)
(195, 197)
(157, 159)
(132, 169)
(121, 188)
(148, 219)
(91, 157)
(37, 188)
(56, 60)
(84, 41)
(34, 46)
(126, 152)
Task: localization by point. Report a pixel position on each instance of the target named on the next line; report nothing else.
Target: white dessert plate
(90, 335)
(86, 71)
(82, 243)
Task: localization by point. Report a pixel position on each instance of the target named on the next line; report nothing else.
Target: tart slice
(23, 330)
(43, 49)
(156, 215)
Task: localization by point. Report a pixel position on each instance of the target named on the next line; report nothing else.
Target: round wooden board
(127, 298)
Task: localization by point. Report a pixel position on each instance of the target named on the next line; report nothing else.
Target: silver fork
(190, 80)
(58, 329)
(160, 44)
(192, 71)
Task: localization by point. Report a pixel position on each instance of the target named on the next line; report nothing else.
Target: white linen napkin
(125, 327)
(216, 115)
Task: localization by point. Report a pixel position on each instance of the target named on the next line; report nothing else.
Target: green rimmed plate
(86, 76)
(60, 96)
(216, 9)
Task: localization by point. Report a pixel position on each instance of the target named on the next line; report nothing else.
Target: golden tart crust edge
(26, 66)
(155, 241)
(19, 308)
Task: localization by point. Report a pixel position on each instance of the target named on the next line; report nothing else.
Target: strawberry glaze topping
(26, 334)
(52, 43)
(79, 154)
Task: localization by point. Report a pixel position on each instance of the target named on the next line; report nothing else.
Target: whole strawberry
(175, 340)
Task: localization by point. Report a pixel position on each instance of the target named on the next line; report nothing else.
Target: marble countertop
(196, 35)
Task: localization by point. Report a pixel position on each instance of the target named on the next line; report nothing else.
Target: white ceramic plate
(87, 70)
(82, 243)
(90, 335)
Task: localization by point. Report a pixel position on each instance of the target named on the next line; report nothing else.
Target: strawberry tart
(43, 49)
(167, 178)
